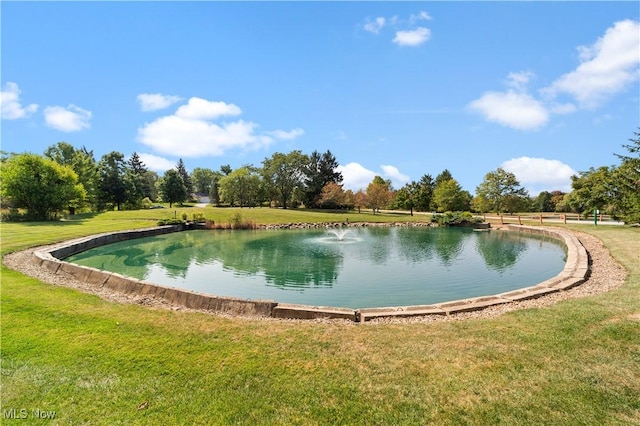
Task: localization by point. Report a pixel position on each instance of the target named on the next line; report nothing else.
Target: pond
(351, 268)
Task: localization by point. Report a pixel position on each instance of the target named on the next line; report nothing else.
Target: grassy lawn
(94, 362)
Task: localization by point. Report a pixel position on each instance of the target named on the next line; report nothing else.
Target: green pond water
(368, 267)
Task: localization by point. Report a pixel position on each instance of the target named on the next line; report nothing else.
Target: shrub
(163, 222)
(236, 221)
(457, 219)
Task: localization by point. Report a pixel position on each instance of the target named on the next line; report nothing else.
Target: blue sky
(397, 89)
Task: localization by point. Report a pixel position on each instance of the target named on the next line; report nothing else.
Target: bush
(199, 218)
(236, 221)
(13, 215)
(163, 222)
(457, 219)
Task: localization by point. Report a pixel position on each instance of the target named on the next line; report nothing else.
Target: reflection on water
(376, 266)
(500, 250)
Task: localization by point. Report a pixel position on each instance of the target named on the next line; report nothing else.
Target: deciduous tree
(449, 196)
(284, 174)
(240, 187)
(378, 194)
(501, 191)
(39, 185)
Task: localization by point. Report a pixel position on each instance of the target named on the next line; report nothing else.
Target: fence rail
(542, 218)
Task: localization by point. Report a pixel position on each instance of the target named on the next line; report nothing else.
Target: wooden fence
(542, 218)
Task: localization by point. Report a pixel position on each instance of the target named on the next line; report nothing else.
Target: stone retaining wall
(576, 271)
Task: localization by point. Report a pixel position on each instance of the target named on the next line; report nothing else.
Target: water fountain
(339, 233)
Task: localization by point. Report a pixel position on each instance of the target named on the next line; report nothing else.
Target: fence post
(501, 220)
(540, 218)
(564, 218)
(519, 220)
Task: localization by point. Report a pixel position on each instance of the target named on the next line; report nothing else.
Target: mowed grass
(95, 362)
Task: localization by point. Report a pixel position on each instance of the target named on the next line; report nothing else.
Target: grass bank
(95, 362)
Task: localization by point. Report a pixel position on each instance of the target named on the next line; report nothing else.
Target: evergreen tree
(444, 176)
(137, 182)
(186, 179)
(627, 182)
(172, 188)
(424, 193)
(112, 185)
(320, 170)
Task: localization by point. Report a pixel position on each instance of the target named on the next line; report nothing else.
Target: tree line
(68, 178)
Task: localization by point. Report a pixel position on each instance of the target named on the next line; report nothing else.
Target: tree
(226, 169)
(449, 196)
(203, 179)
(444, 176)
(332, 196)
(593, 189)
(62, 153)
(378, 193)
(556, 199)
(112, 185)
(240, 186)
(138, 184)
(284, 174)
(172, 188)
(186, 179)
(501, 192)
(359, 200)
(425, 193)
(320, 170)
(627, 182)
(82, 162)
(40, 185)
(407, 196)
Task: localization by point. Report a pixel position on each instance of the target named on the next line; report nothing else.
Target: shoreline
(605, 275)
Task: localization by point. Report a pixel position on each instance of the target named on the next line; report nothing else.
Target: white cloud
(284, 135)
(420, 16)
(607, 67)
(412, 37)
(69, 119)
(375, 26)
(355, 176)
(540, 174)
(513, 109)
(191, 132)
(158, 164)
(202, 109)
(11, 107)
(156, 101)
(519, 80)
(397, 179)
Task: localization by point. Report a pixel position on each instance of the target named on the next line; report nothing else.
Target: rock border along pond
(575, 272)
